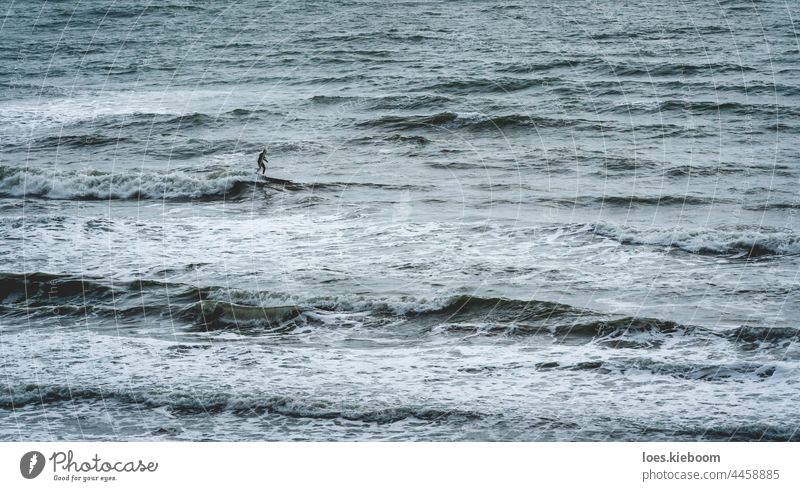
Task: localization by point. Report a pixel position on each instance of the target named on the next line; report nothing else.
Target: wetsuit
(262, 158)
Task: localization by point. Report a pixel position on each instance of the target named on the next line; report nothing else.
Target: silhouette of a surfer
(262, 167)
(262, 160)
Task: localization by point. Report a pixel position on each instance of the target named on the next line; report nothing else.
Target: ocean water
(498, 221)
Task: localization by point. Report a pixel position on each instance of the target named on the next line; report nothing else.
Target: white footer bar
(371, 466)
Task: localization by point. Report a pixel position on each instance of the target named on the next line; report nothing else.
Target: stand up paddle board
(275, 180)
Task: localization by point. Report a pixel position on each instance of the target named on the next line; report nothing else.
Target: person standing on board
(262, 159)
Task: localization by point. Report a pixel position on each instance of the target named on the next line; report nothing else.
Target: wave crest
(737, 241)
(100, 185)
(187, 402)
(474, 122)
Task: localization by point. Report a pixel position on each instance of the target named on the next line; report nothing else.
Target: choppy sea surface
(498, 221)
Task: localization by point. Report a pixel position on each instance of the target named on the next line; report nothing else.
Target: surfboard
(275, 180)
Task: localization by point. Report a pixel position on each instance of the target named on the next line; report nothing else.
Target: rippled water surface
(487, 221)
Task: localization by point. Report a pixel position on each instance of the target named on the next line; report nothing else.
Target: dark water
(503, 221)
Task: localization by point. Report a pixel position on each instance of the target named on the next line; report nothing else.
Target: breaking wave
(475, 122)
(176, 185)
(738, 241)
(215, 308)
(212, 314)
(101, 185)
(185, 402)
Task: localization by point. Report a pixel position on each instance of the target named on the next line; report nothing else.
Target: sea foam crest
(745, 240)
(91, 185)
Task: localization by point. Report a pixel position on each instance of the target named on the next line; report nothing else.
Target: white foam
(401, 305)
(122, 185)
(27, 114)
(721, 240)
